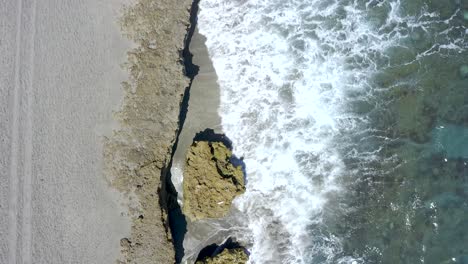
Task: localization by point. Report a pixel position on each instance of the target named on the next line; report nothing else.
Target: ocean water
(352, 118)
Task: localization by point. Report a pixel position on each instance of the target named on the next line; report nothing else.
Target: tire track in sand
(20, 197)
(27, 184)
(13, 195)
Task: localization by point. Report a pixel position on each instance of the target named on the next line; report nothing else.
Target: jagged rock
(211, 181)
(139, 151)
(227, 256)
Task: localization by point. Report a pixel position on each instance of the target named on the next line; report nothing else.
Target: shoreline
(139, 152)
(94, 163)
(202, 114)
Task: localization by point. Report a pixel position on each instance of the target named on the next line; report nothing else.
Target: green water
(411, 204)
(359, 104)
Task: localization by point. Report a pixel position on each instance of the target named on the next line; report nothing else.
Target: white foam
(282, 99)
(287, 71)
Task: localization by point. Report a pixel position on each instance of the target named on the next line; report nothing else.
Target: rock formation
(139, 151)
(211, 181)
(227, 256)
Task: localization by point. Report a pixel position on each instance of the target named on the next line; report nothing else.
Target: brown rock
(211, 181)
(227, 256)
(138, 153)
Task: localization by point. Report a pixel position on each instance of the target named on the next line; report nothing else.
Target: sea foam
(288, 72)
(284, 78)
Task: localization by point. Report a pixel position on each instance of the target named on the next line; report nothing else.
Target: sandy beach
(60, 82)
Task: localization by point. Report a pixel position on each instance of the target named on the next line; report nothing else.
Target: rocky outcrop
(211, 181)
(138, 153)
(227, 256)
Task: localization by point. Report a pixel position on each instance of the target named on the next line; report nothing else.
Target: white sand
(59, 82)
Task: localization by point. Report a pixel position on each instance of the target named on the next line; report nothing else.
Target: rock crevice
(139, 153)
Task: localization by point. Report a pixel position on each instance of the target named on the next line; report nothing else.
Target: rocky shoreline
(213, 178)
(227, 256)
(139, 152)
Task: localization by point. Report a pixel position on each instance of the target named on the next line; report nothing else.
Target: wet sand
(60, 82)
(202, 110)
(202, 114)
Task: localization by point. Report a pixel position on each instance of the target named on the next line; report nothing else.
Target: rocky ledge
(227, 256)
(138, 154)
(211, 181)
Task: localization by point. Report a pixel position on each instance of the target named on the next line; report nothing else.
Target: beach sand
(60, 82)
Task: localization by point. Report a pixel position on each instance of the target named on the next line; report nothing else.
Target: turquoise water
(352, 117)
(411, 204)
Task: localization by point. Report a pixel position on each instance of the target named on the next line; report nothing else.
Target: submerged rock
(211, 181)
(464, 70)
(227, 256)
(451, 140)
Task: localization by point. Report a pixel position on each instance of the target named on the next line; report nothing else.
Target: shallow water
(352, 117)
